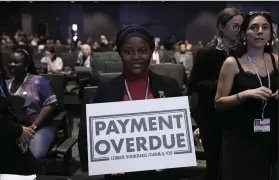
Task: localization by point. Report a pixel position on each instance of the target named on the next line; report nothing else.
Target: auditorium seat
(101, 55)
(114, 55)
(62, 146)
(175, 71)
(102, 63)
(69, 59)
(88, 97)
(113, 67)
(107, 76)
(37, 56)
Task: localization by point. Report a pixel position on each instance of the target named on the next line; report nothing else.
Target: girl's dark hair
(52, 51)
(241, 47)
(28, 60)
(225, 16)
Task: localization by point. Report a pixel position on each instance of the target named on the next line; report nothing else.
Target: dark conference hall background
(193, 21)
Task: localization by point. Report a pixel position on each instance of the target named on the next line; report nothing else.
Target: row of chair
(104, 64)
(66, 55)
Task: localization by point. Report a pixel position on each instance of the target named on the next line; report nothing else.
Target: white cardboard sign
(140, 135)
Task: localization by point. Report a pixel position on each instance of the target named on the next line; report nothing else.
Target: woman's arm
(45, 114)
(56, 67)
(276, 60)
(48, 102)
(275, 95)
(225, 82)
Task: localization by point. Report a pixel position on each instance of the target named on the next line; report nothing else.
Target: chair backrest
(41, 67)
(101, 55)
(69, 59)
(37, 56)
(107, 76)
(113, 67)
(102, 63)
(175, 71)
(56, 82)
(168, 56)
(62, 49)
(89, 94)
(82, 71)
(115, 56)
(88, 97)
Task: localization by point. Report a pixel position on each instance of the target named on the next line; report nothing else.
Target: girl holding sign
(135, 44)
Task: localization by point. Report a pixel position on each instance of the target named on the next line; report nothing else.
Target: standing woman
(248, 93)
(135, 45)
(203, 83)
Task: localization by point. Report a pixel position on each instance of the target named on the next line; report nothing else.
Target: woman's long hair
(241, 46)
(52, 51)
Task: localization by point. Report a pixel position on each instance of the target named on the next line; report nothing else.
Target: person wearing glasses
(135, 45)
(248, 94)
(203, 84)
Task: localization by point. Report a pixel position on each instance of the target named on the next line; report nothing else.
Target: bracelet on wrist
(238, 99)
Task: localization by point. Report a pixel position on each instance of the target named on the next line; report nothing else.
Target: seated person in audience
(157, 55)
(185, 57)
(135, 46)
(84, 56)
(12, 160)
(188, 45)
(104, 44)
(95, 47)
(54, 63)
(40, 101)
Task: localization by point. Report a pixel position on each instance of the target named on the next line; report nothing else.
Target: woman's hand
(27, 134)
(24, 146)
(33, 126)
(275, 95)
(262, 93)
(80, 55)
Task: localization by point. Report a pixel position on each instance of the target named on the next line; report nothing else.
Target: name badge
(262, 125)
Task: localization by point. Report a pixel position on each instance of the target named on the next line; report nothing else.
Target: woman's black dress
(246, 154)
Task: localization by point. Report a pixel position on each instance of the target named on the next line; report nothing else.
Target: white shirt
(86, 62)
(155, 56)
(57, 64)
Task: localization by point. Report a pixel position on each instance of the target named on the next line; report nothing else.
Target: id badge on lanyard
(261, 124)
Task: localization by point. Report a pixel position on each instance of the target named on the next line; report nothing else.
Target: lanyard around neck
(129, 94)
(259, 78)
